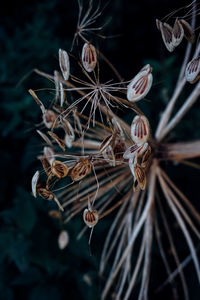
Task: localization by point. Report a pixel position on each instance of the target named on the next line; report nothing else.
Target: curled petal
(34, 183)
(90, 217)
(140, 85)
(64, 63)
(192, 72)
(140, 130)
(89, 57)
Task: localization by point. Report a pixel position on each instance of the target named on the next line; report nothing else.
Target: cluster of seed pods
(139, 153)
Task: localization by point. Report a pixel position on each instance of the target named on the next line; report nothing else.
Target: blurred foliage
(32, 265)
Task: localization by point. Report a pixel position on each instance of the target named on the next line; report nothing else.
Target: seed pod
(48, 195)
(34, 183)
(140, 129)
(64, 63)
(59, 169)
(89, 57)
(50, 119)
(134, 150)
(145, 157)
(166, 32)
(117, 128)
(139, 87)
(45, 138)
(57, 140)
(63, 239)
(90, 217)
(119, 149)
(46, 166)
(80, 169)
(37, 100)
(177, 33)
(140, 176)
(192, 72)
(69, 133)
(49, 154)
(188, 32)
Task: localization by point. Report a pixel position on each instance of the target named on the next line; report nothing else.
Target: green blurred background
(31, 264)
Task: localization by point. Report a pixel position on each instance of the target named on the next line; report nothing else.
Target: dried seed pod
(177, 33)
(90, 217)
(140, 129)
(48, 195)
(140, 176)
(134, 150)
(192, 72)
(64, 63)
(119, 149)
(117, 128)
(80, 169)
(59, 141)
(89, 57)
(166, 32)
(62, 94)
(140, 85)
(46, 166)
(146, 155)
(45, 138)
(37, 100)
(188, 32)
(59, 169)
(63, 239)
(50, 119)
(49, 154)
(106, 143)
(57, 85)
(69, 133)
(34, 183)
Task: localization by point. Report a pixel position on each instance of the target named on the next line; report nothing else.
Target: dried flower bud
(50, 119)
(59, 169)
(63, 239)
(139, 87)
(192, 72)
(167, 36)
(140, 176)
(178, 33)
(89, 57)
(34, 183)
(80, 169)
(140, 130)
(90, 217)
(64, 63)
(188, 32)
(57, 140)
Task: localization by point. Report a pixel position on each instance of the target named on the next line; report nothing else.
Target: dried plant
(111, 165)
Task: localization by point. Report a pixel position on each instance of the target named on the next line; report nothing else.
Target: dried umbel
(59, 169)
(90, 217)
(81, 169)
(140, 85)
(64, 63)
(89, 57)
(140, 130)
(192, 71)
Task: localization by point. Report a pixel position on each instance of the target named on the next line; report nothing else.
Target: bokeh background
(31, 264)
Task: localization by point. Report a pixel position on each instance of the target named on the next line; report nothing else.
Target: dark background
(31, 32)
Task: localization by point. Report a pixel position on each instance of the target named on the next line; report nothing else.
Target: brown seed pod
(119, 149)
(90, 217)
(64, 63)
(50, 119)
(140, 85)
(89, 57)
(145, 157)
(49, 154)
(46, 165)
(59, 141)
(192, 71)
(188, 32)
(167, 36)
(48, 195)
(59, 169)
(140, 130)
(140, 176)
(177, 33)
(34, 183)
(80, 169)
(69, 132)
